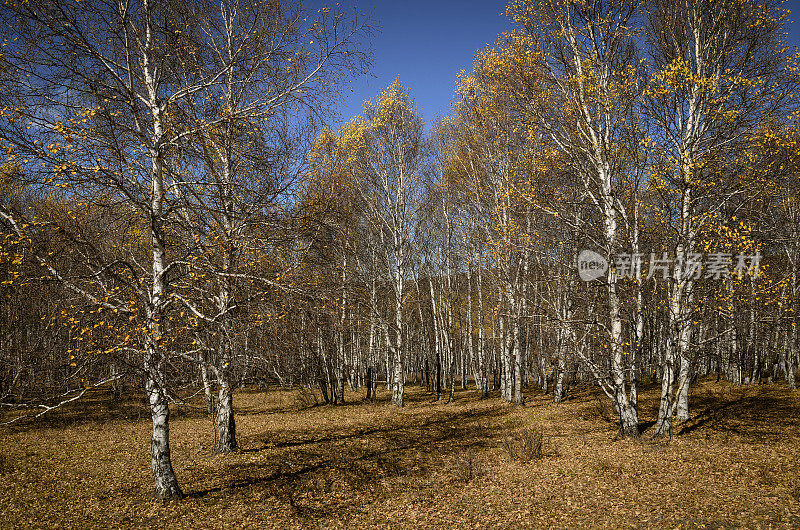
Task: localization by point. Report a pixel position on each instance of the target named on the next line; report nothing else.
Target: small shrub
(602, 411)
(466, 467)
(526, 445)
(306, 397)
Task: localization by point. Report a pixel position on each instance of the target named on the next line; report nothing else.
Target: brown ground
(736, 464)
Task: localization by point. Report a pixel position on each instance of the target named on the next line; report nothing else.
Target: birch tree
(101, 114)
(588, 51)
(719, 71)
(264, 109)
(390, 163)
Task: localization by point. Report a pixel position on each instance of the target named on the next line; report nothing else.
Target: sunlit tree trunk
(791, 337)
(166, 483)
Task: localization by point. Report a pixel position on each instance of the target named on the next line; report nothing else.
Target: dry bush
(602, 410)
(466, 467)
(527, 445)
(306, 397)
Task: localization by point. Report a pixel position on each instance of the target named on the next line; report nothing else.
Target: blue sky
(425, 44)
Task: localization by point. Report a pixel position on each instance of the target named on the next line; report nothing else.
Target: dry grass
(736, 464)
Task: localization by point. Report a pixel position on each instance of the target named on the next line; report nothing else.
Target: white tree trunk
(226, 422)
(166, 483)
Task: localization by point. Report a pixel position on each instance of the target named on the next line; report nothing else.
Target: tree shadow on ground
(303, 470)
(97, 406)
(756, 413)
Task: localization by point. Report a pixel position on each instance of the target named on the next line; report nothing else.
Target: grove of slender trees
(179, 216)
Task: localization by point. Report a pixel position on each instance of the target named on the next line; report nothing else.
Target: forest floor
(736, 463)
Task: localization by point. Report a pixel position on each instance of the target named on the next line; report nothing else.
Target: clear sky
(425, 43)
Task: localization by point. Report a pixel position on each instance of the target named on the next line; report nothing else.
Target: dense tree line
(177, 216)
